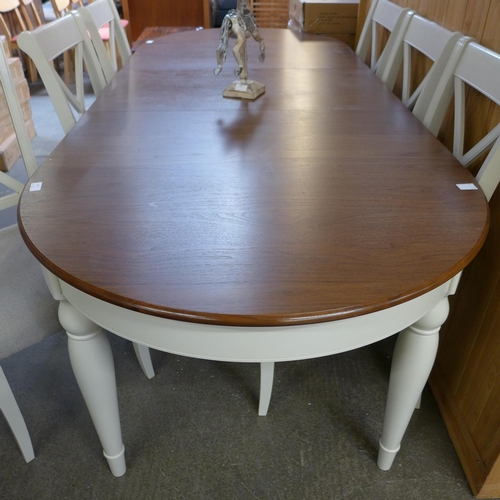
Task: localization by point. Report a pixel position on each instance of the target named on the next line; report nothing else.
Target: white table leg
(92, 362)
(412, 362)
(14, 417)
(266, 387)
(144, 358)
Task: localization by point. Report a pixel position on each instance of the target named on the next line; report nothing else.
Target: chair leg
(144, 358)
(266, 387)
(32, 72)
(14, 417)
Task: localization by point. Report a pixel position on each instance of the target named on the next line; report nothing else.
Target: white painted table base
(84, 316)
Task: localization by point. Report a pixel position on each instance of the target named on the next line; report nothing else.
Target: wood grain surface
(323, 199)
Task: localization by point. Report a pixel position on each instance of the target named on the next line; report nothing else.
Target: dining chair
(28, 312)
(470, 65)
(100, 15)
(48, 42)
(63, 7)
(382, 14)
(428, 38)
(15, 18)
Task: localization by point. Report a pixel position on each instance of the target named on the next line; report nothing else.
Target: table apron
(253, 344)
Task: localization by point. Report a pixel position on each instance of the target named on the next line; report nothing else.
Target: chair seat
(26, 299)
(104, 31)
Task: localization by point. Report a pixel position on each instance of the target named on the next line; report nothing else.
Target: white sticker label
(467, 187)
(149, 41)
(36, 186)
(241, 87)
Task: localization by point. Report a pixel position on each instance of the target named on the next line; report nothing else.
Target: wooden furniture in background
(156, 32)
(17, 16)
(143, 14)
(466, 376)
(271, 13)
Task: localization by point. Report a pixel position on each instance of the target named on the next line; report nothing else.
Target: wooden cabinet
(149, 13)
(466, 377)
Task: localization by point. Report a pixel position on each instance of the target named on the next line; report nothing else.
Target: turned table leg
(92, 363)
(412, 362)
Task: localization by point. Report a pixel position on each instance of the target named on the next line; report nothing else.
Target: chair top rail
(480, 68)
(387, 14)
(427, 37)
(47, 42)
(87, 16)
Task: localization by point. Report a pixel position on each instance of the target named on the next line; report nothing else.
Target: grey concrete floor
(192, 432)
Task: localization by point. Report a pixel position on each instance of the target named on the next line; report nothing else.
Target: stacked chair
(17, 16)
(103, 14)
(30, 316)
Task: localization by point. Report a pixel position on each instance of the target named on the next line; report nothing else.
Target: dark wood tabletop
(323, 199)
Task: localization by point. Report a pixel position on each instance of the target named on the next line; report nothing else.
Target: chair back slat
(391, 17)
(48, 42)
(474, 65)
(16, 115)
(428, 38)
(102, 14)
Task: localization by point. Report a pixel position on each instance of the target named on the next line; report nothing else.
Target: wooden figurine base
(244, 89)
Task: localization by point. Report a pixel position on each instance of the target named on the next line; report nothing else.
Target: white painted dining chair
(102, 15)
(428, 38)
(28, 313)
(471, 65)
(388, 15)
(48, 42)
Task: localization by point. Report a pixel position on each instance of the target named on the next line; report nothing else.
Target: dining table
(316, 219)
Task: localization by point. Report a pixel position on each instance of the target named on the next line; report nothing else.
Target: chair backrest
(9, 91)
(390, 16)
(474, 65)
(431, 40)
(32, 14)
(50, 41)
(102, 14)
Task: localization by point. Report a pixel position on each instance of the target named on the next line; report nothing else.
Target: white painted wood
(440, 101)
(412, 362)
(8, 404)
(46, 43)
(14, 107)
(366, 33)
(396, 23)
(246, 344)
(92, 363)
(97, 15)
(430, 39)
(14, 417)
(144, 358)
(479, 67)
(253, 345)
(393, 18)
(266, 387)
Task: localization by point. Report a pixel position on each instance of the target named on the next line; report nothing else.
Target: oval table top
(322, 199)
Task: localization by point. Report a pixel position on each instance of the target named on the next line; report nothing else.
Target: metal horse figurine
(242, 25)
